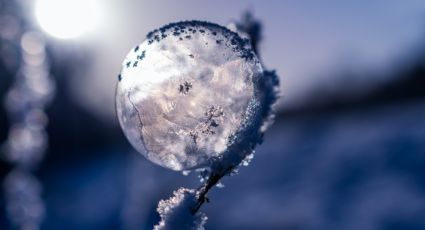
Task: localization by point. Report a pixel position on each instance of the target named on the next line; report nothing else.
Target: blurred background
(347, 150)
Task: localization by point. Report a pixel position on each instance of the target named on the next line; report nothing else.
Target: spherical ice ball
(188, 92)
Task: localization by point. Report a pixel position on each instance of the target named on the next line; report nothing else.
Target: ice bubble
(189, 93)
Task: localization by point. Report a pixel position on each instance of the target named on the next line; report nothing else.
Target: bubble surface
(187, 91)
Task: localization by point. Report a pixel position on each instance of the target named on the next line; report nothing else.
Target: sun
(67, 18)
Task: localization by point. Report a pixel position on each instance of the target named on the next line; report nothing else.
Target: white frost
(176, 212)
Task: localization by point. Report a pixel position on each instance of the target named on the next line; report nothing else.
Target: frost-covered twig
(226, 164)
(195, 95)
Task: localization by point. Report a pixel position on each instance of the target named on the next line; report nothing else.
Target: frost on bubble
(193, 93)
(176, 212)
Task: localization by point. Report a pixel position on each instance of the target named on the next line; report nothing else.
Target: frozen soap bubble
(190, 93)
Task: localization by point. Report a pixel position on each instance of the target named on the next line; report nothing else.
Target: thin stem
(202, 191)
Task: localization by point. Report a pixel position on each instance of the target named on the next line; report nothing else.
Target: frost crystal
(191, 94)
(176, 212)
(247, 159)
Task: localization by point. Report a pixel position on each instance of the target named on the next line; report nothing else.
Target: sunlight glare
(67, 18)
